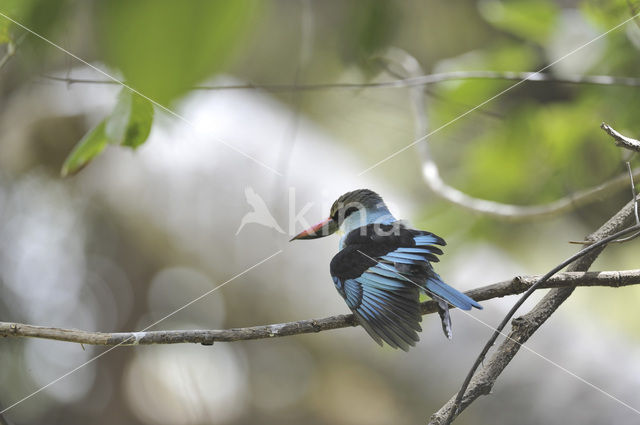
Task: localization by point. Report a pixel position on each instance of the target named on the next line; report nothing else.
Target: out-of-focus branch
(511, 212)
(431, 173)
(524, 327)
(11, 51)
(633, 11)
(620, 139)
(416, 81)
(12, 48)
(517, 285)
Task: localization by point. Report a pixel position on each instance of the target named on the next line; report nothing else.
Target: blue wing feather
(374, 279)
(389, 308)
(384, 270)
(388, 327)
(436, 286)
(353, 292)
(384, 295)
(397, 260)
(428, 239)
(406, 256)
(415, 250)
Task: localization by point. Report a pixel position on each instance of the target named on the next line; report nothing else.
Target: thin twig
(421, 80)
(634, 195)
(521, 300)
(635, 208)
(517, 285)
(602, 242)
(512, 212)
(434, 181)
(620, 139)
(524, 327)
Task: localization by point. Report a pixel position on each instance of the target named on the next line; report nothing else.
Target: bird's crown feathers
(355, 200)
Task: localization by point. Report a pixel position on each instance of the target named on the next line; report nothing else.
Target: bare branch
(511, 212)
(416, 81)
(517, 285)
(621, 140)
(431, 173)
(527, 325)
(634, 195)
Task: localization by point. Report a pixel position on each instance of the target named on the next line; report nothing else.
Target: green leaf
(531, 20)
(87, 148)
(130, 122)
(165, 48)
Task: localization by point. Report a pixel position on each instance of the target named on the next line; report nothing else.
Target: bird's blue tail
(437, 287)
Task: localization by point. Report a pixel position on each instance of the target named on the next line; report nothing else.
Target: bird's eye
(350, 211)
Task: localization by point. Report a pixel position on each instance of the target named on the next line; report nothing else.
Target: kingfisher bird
(383, 266)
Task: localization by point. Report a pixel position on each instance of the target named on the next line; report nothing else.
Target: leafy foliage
(536, 142)
(531, 20)
(128, 125)
(87, 148)
(164, 51)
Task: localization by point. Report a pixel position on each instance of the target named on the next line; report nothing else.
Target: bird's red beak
(322, 229)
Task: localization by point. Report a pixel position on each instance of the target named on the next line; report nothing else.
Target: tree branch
(512, 212)
(431, 173)
(517, 285)
(416, 81)
(620, 139)
(525, 326)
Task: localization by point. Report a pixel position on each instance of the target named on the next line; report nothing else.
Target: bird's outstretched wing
(380, 275)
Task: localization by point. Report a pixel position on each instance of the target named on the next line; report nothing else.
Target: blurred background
(115, 212)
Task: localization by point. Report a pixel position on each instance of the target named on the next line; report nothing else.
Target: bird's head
(364, 203)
